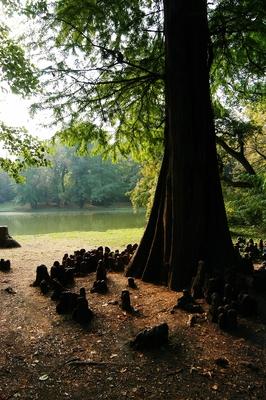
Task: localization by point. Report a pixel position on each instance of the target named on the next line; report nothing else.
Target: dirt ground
(42, 353)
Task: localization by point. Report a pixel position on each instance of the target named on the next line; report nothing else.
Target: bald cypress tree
(143, 67)
(188, 221)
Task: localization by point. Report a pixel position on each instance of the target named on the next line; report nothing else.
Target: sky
(14, 111)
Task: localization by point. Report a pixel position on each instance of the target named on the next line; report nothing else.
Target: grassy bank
(115, 239)
(16, 207)
(119, 238)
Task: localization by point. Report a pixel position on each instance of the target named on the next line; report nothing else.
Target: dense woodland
(177, 87)
(71, 181)
(81, 181)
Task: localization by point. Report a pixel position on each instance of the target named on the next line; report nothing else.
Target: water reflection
(33, 223)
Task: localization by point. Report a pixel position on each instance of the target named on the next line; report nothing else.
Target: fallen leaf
(43, 377)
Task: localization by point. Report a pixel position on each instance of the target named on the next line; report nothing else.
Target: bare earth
(40, 349)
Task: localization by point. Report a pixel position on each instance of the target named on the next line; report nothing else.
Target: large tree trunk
(188, 221)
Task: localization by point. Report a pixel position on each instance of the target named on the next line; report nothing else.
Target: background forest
(71, 181)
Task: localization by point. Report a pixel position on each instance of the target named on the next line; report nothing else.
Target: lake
(53, 221)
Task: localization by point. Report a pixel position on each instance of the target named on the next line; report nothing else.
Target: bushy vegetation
(142, 194)
(247, 206)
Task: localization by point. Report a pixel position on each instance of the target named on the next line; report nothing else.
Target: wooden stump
(6, 240)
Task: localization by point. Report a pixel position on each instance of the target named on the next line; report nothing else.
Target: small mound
(6, 241)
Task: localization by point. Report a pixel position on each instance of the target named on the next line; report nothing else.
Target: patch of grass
(119, 238)
(254, 232)
(115, 239)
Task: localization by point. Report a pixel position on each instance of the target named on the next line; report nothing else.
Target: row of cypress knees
(81, 263)
(225, 303)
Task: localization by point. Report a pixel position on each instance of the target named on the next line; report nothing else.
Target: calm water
(39, 222)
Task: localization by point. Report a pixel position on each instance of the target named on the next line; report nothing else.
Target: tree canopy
(106, 67)
(102, 68)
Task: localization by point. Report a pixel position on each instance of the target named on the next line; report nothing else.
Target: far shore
(15, 207)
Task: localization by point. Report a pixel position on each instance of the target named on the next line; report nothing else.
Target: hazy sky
(14, 111)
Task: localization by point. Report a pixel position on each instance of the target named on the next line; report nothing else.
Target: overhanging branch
(239, 156)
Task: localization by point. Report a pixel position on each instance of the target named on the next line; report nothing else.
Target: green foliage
(24, 148)
(252, 231)
(109, 58)
(35, 189)
(235, 129)
(80, 134)
(240, 140)
(238, 42)
(143, 193)
(15, 69)
(7, 192)
(247, 207)
(19, 75)
(75, 181)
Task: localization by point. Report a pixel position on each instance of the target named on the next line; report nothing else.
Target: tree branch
(240, 184)
(260, 154)
(114, 53)
(239, 156)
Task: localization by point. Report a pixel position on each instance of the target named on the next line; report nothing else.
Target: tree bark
(188, 221)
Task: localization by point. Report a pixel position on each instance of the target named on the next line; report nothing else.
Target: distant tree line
(72, 180)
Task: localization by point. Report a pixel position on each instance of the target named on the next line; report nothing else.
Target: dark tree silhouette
(188, 221)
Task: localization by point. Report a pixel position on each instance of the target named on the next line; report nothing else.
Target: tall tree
(143, 67)
(188, 221)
